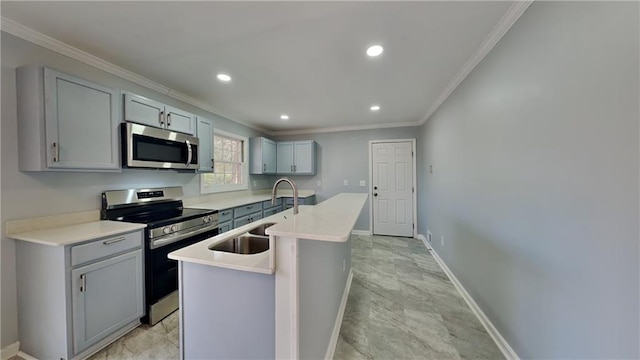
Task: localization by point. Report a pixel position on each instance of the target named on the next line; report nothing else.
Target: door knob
(375, 194)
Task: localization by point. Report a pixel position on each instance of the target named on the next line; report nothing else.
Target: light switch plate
(346, 182)
(363, 183)
(319, 183)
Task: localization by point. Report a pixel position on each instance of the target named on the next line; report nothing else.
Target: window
(230, 171)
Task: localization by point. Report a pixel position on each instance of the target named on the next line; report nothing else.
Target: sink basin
(245, 244)
(260, 230)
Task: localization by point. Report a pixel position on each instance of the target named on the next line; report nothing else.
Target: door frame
(415, 181)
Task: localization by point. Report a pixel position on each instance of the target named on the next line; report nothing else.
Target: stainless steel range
(170, 226)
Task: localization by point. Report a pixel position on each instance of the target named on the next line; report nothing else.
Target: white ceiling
(305, 59)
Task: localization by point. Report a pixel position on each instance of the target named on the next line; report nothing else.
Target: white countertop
(331, 220)
(69, 235)
(243, 200)
(263, 262)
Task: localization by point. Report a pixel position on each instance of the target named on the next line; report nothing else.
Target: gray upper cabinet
(141, 110)
(263, 156)
(296, 157)
(66, 123)
(205, 149)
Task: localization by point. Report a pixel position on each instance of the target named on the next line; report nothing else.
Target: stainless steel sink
(260, 230)
(244, 244)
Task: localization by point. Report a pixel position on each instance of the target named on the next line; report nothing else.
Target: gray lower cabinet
(225, 226)
(244, 220)
(106, 295)
(76, 299)
(309, 200)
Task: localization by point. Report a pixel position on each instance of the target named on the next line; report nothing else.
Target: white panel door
(392, 185)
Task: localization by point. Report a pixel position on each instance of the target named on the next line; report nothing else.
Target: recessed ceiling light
(375, 107)
(375, 50)
(284, 117)
(224, 77)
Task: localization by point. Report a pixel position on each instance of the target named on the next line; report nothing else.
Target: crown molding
(26, 33)
(508, 19)
(343, 128)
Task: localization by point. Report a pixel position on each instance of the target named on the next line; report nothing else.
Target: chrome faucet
(274, 193)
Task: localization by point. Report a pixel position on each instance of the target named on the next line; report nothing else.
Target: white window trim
(245, 168)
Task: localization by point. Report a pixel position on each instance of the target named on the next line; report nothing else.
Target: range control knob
(166, 230)
(206, 219)
(174, 227)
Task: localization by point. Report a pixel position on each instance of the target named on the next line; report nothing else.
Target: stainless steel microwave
(149, 147)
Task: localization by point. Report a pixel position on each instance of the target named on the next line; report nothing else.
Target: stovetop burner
(161, 218)
(154, 207)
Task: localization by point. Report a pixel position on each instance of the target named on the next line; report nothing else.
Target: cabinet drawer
(267, 204)
(225, 215)
(271, 211)
(224, 227)
(81, 254)
(246, 209)
(244, 220)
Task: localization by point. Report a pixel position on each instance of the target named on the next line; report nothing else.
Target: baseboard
(500, 341)
(424, 240)
(361, 232)
(10, 351)
(336, 326)
(26, 356)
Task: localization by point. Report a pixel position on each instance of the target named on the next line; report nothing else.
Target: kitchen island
(285, 302)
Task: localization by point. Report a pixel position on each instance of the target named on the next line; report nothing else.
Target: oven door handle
(189, 153)
(171, 239)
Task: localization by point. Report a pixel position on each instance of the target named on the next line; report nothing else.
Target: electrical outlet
(429, 236)
(346, 182)
(363, 183)
(344, 265)
(441, 240)
(431, 169)
(255, 183)
(319, 183)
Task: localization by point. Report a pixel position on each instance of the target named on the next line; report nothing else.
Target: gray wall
(535, 181)
(26, 195)
(345, 156)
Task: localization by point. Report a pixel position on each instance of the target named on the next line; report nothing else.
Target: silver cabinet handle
(83, 283)
(295, 168)
(189, 153)
(56, 152)
(264, 167)
(161, 116)
(109, 242)
(168, 119)
(291, 168)
(212, 163)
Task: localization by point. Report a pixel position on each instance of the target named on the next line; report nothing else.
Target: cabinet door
(106, 296)
(205, 150)
(304, 158)
(284, 157)
(145, 111)
(269, 156)
(180, 121)
(224, 227)
(81, 123)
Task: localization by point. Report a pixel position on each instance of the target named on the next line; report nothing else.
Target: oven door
(149, 147)
(161, 276)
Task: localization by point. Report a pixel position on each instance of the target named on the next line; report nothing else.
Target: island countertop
(330, 220)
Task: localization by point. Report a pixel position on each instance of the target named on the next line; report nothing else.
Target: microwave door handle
(189, 153)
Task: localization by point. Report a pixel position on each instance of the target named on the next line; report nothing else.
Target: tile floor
(401, 306)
